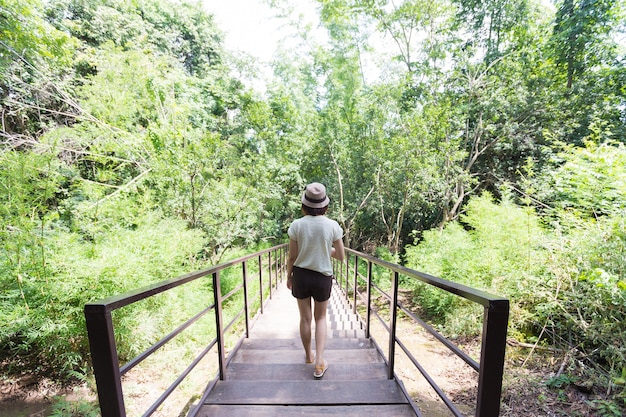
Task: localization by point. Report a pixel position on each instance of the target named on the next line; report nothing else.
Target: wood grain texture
(267, 376)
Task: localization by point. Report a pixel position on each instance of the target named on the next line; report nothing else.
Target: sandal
(320, 370)
(312, 359)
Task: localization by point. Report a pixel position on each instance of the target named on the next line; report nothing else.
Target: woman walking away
(313, 240)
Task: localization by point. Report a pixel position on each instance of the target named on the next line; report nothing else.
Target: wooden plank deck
(268, 376)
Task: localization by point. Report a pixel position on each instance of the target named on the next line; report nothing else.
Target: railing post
(356, 282)
(495, 323)
(245, 297)
(261, 281)
(269, 270)
(347, 275)
(277, 257)
(281, 264)
(105, 360)
(219, 327)
(393, 312)
(369, 299)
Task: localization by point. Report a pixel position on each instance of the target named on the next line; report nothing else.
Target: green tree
(183, 31)
(581, 34)
(126, 139)
(588, 69)
(33, 59)
(496, 25)
(588, 183)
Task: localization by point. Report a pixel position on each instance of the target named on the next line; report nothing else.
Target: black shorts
(307, 283)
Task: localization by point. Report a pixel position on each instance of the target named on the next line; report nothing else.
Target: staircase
(267, 376)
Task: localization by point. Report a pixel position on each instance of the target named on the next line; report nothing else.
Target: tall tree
(581, 34)
(493, 24)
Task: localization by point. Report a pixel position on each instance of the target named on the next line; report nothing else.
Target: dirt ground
(28, 396)
(524, 391)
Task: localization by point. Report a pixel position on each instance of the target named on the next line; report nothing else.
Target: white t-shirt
(315, 236)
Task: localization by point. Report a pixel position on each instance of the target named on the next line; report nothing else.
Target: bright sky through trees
(250, 26)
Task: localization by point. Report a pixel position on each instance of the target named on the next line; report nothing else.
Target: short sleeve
(337, 232)
(291, 231)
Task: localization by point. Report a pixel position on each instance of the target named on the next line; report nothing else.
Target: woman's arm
(293, 255)
(337, 251)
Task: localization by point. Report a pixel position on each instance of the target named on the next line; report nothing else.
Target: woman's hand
(289, 282)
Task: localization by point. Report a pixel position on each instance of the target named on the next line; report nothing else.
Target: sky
(247, 25)
(250, 26)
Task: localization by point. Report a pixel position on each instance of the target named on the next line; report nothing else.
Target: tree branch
(119, 190)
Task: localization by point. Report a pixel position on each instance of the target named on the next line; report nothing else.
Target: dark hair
(314, 211)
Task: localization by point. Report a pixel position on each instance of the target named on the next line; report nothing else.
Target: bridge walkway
(268, 376)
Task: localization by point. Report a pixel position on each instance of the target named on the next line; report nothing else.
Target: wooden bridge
(268, 377)
(265, 374)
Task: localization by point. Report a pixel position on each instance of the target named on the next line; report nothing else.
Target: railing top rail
(130, 297)
(481, 297)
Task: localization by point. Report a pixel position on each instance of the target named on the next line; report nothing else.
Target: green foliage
(64, 408)
(34, 57)
(580, 34)
(27, 37)
(182, 31)
(589, 182)
(435, 255)
(498, 250)
(494, 23)
(129, 153)
(45, 312)
(564, 274)
(591, 302)
(559, 381)
(607, 408)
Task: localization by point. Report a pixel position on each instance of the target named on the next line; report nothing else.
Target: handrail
(101, 331)
(108, 372)
(495, 321)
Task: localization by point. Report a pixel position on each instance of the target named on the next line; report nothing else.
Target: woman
(313, 240)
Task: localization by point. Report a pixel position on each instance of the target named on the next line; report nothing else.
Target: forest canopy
(479, 141)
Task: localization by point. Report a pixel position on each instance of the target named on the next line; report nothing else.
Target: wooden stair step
(267, 376)
(340, 312)
(344, 325)
(296, 344)
(394, 410)
(315, 392)
(281, 356)
(304, 372)
(342, 334)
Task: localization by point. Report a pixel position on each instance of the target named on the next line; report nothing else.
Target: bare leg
(304, 305)
(320, 331)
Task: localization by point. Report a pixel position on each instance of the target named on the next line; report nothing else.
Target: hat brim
(311, 204)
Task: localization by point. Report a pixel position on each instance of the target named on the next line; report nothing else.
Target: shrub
(498, 249)
(45, 328)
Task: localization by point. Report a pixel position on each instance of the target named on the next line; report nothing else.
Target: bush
(45, 329)
(498, 249)
(566, 283)
(588, 310)
(63, 408)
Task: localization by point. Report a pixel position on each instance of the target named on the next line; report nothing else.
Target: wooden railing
(355, 275)
(101, 332)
